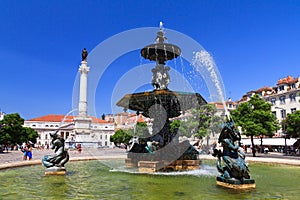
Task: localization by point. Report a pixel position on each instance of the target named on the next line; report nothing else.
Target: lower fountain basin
(94, 180)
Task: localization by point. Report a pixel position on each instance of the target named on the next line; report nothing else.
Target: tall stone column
(83, 121)
(82, 107)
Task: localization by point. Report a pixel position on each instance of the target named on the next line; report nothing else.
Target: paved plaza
(14, 158)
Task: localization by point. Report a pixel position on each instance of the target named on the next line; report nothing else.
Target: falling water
(203, 62)
(181, 63)
(165, 50)
(156, 54)
(63, 120)
(174, 58)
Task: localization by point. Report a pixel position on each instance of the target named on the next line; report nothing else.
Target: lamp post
(283, 127)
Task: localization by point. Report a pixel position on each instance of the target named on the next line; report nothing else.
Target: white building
(284, 97)
(101, 130)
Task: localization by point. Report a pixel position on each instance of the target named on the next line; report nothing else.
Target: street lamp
(283, 126)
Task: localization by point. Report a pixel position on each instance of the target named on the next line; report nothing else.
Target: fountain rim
(125, 100)
(262, 160)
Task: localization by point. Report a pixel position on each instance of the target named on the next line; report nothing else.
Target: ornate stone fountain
(162, 151)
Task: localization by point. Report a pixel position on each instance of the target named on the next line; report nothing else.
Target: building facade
(284, 97)
(101, 130)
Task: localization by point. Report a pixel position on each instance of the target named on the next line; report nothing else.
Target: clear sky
(253, 43)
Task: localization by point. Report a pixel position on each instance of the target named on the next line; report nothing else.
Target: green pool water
(97, 180)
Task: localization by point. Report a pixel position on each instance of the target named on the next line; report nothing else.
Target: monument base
(236, 184)
(55, 171)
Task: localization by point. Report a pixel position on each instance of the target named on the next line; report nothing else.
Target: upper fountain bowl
(160, 52)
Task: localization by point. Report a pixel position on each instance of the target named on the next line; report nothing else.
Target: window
(46, 136)
(282, 99)
(230, 105)
(33, 125)
(273, 101)
(293, 85)
(106, 137)
(293, 110)
(293, 97)
(283, 114)
(100, 137)
(281, 88)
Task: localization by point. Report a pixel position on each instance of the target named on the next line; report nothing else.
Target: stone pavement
(14, 158)
(274, 158)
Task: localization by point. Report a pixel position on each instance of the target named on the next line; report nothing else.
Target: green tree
(175, 124)
(201, 122)
(121, 137)
(292, 123)
(12, 130)
(141, 130)
(255, 118)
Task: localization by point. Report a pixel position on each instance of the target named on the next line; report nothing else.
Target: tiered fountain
(162, 151)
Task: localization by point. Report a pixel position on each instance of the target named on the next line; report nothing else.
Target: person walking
(24, 150)
(29, 152)
(79, 148)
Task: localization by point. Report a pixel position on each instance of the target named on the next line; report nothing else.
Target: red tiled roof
(59, 118)
(288, 79)
(52, 118)
(97, 120)
(265, 88)
(219, 105)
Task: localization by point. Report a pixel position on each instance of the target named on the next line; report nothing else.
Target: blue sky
(254, 43)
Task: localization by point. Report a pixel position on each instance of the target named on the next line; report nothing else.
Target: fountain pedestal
(158, 166)
(235, 183)
(55, 171)
(150, 166)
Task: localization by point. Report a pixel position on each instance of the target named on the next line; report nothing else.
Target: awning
(270, 141)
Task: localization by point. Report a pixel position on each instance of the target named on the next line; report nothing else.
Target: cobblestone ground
(17, 156)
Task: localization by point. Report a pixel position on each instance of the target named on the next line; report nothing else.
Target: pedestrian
(79, 148)
(29, 152)
(24, 150)
(6, 147)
